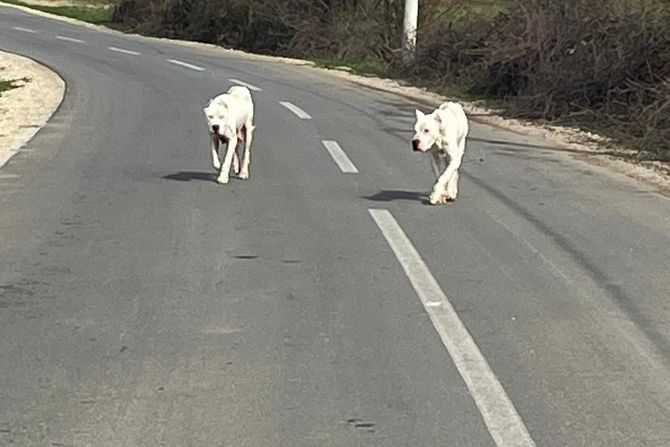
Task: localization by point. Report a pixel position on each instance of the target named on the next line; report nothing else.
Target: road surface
(143, 304)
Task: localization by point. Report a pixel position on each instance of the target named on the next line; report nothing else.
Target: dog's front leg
(224, 175)
(439, 195)
(452, 186)
(215, 151)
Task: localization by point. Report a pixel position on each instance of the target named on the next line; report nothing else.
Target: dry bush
(347, 29)
(603, 64)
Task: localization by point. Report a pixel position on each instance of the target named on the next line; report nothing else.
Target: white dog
(230, 120)
(446, 129)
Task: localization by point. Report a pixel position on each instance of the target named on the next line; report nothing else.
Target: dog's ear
(439, 116)
(419, 114)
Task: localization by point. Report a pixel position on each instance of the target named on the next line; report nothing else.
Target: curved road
(142, 304)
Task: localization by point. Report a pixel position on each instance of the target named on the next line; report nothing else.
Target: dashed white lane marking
(340, 157)
(501, 418)
(69, 39)
(25, 30)
(247, 85)
(121, 50)
(297, 110)
(186, 64)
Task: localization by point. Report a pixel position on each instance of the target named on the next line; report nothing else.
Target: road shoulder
(24, 110)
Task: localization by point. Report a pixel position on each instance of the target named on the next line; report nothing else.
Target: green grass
(98, 15)
(6, 85)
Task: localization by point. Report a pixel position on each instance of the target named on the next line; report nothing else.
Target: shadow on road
(187, 176)
(394, 195)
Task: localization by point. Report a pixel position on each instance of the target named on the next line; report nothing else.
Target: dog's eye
(425, 130)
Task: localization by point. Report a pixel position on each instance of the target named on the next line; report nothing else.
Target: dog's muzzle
(415, 146)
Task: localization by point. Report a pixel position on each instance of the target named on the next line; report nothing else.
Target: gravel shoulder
(24, 110)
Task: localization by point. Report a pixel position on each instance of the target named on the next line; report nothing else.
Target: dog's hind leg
(452, 183)
(438, 163)
(248, 130)
(237, 158)
(215, 151)
(435, 164)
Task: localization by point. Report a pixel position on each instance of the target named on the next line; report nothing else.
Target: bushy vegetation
(603, 65)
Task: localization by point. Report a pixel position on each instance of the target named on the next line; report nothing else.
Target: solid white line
(25, 30)
(249, 86)
(121, 50)
(501, 418)
(186, 64)
(69, 39)
(340, 157)
(295, 109)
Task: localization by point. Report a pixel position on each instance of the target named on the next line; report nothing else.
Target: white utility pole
(409, 29)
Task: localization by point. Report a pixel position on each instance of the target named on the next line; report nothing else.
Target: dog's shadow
(187, 176)
(396, 195)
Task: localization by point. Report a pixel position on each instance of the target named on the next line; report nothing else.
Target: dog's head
(427, 128)
(217, 118)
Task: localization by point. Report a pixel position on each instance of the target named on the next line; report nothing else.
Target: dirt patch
(26, 108)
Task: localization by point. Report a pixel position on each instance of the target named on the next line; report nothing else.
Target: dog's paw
(440, 199)
(223, 179)
(216, 165)
(243, 175)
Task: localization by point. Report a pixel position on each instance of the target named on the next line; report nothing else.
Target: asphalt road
(143, 304)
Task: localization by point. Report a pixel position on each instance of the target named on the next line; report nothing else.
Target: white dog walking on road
(230, 120)
(446, 128)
